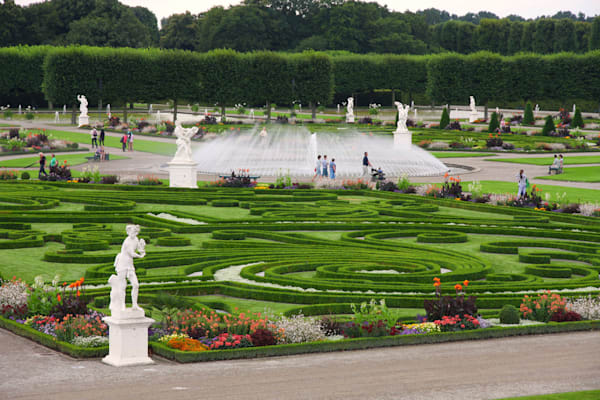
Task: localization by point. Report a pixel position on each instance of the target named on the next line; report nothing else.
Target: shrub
(565, 316)
(8, 175)
(445, 118)
(494, 141)
(454, 125)
(90, 341)
(548, 126)
(457, 323)
(80, 325)
(263, 337)
(70, 301)
(231, 341)
(366, 120)
(148, 180)
(29, 116)
(577, 121)
(447, 305)
(109, 179)
(8, 114)
(186, 344)
(542, 307)
(494, 123)
(588, 307)
(13, 298)
(296, 329)
(509, 314)
(25, 175)
(13, 133)
(528, 115)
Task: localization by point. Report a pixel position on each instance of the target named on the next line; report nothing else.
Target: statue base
(349, 118)
(128, 339)
(473, 117)
(183, 174)
(84, 121)
(403, 140)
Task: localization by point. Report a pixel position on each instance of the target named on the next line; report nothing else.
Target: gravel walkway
(487, 369)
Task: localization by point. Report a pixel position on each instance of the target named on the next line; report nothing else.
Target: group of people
(97, 139)
(42, 162)
(127, 141)
(324, 168)
(557, 164)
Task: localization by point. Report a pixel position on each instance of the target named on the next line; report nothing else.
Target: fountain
(295, 149)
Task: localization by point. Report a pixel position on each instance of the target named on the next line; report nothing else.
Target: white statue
(263, 133)
(150, 109)
(574, 108)
(20, 110)
(184, 142)
(402, 117)
(338, 108)
(158, 116)
(415, 112)
(472, 104)
(350, 106)
(56, 117)
(132, 248)
(252, 113)
(64, 109)
(83, 107)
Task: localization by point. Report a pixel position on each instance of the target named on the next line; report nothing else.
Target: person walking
(325, 165)
(42, 165)
(101, 141)
(318, 168)
(332, 169)
(523, 182)
(130, 140)
(366, 164)
(124, 142)
(53, 164)
(94, 137)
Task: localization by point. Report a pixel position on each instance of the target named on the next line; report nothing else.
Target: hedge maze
(317, 251)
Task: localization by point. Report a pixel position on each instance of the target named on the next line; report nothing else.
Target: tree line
(294, 26)
(33, 75)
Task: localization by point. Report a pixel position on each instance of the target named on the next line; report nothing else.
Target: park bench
(96, 157)
(557, 170)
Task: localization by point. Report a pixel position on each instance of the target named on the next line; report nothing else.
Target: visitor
(366, 164)
(129, 140)
(124, 142)
(94, 138)
(324, 164)
(42, 165)
(102, 154)
(523, 183)
(318, 168)
(101, 141)
(332, 169)
(560, 162)
(53, 164)
(555, 165)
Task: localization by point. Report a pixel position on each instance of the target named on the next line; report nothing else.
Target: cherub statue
(402, 117)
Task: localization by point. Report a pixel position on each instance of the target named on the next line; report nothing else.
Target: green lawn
(149, 146)
(587, 395)
(573, 194)
(548, 160)
(72, 160)
(447, 154)
(579, 174)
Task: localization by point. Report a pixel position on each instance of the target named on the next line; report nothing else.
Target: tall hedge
(21, 75)
(312, 79)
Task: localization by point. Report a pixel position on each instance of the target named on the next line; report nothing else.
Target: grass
(548, 160)
(579, 174)
(573, 194)
(71, 159)
(244, 305)
(445, 154)
(167, 149)
(586, 395)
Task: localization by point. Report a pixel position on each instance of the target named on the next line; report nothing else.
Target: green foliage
(494, 123)
(509, 314)
(25, 175)
(577, 121)
(594, 36)
(528, 118)
(548, 126)
(445, 119)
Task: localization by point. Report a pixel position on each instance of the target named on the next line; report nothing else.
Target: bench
(557, 170)
(96, 157)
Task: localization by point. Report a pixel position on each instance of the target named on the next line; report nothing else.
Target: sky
(526, 9)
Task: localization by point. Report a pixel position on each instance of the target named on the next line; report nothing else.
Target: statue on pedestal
(402, 117)
(473, 116)
(132, 248)
(184, 143)
(83, 107)
(350, 110)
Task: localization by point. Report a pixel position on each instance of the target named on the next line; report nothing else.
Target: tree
(11, 21)
(445, 119)
(312, 79)
(514, 37)
(542, 38)
(492, 35)
(148, 19)
(548, 126)
(595, 34)
(577, 121)
(564, 36)
(528, 118)
(244, 28)
(494, 123)
(527, 39)
(179, 32)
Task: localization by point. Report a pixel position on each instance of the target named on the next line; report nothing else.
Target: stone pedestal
(183, 174)
(350, 118)
(473, 116)
(403, 141)
(128, 338)
(84, 120)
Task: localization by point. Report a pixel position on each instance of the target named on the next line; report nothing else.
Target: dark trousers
(101, 141)
(42, 171)
(124, 146)
(94, 142)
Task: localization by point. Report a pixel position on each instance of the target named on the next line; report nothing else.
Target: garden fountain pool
(292, 149)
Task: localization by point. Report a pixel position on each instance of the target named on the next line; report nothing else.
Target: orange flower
(78, 293)
(436, 279)
(436, 284)
(72, 285)
(466, 283)
(458, 286)
(58, 297)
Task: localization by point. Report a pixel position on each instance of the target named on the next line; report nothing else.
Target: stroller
(377, 174)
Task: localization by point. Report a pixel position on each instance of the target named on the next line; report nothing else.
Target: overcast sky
(502, 8)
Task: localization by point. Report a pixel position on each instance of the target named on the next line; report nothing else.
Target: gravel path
(487, 369)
